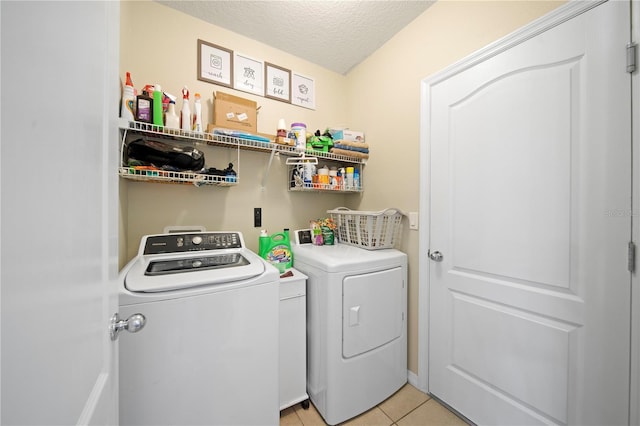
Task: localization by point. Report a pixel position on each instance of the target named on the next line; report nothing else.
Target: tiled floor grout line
(406, 414)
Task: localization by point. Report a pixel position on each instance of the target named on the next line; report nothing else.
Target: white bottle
(185, 114)
(197, 116)
(172, 121)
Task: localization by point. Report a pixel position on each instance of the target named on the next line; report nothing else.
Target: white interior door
(530, 148)
(59, 211)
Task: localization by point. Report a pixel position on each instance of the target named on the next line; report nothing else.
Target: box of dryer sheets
(233, 112)
(346, 135)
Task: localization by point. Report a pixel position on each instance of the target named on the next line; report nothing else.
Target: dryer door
(372, 310)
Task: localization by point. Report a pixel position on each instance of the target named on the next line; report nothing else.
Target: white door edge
(546, 22)
(634, 406)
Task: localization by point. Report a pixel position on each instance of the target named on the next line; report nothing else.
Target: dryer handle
(354, 316)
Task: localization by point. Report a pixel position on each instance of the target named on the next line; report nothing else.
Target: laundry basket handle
(392, 210)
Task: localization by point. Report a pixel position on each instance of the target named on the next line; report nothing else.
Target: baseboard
(413, 380)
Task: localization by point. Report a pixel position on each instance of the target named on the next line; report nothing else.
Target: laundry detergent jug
(276, 249)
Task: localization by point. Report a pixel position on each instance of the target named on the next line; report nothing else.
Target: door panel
(372, 310)
(514, 179)
(60, 96)
(530, 170)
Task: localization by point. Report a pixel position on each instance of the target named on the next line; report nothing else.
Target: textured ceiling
(337, 35)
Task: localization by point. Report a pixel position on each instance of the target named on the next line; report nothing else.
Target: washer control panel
(180, 243)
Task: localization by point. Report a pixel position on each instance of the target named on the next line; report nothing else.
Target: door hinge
(631, 57)
(631, 257)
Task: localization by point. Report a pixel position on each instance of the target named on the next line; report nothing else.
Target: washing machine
(208, 353)
(356, 326)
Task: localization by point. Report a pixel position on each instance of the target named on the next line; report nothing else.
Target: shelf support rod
(266, 173)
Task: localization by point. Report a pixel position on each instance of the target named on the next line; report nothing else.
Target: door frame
(552, 19)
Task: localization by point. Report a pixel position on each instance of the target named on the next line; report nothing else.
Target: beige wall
(384, 100)
(159, 45)
(381, 97)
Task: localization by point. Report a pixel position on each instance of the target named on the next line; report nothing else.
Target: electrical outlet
(413, 220)
(257, 217)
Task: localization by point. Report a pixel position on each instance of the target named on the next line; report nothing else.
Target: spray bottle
(128, 99)
(185, 114)
(197, 116)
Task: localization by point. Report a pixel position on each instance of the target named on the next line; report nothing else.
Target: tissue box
(346, 135)
(234, 112)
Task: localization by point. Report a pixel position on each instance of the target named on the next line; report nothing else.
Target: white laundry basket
(368, 230)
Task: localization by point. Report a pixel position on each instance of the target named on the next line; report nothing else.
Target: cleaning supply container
(300, 131)
(276, 249)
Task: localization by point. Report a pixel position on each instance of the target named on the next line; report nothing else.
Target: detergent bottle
(276, 249)
(128, 99)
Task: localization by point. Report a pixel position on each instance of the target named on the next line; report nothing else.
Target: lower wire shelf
(166, 176)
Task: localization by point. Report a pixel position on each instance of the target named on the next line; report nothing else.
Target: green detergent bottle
(276, 249)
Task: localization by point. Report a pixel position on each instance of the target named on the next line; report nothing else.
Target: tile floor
(407, 407)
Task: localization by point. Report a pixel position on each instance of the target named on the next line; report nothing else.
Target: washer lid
(179, 271)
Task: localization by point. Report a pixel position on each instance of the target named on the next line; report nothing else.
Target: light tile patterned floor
(407, 407)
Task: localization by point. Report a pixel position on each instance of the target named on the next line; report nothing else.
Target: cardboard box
(346, 135)
(234, 112)
(285, 141)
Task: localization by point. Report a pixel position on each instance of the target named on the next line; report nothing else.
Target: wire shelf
(166, 176)
(232, 142)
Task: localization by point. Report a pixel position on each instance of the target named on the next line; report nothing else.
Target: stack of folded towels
(350, 148)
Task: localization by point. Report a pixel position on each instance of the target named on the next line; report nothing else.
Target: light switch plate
(413, 220)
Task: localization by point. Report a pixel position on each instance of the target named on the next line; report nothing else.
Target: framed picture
(277, 82)
(303, 91)
(248, 74)
(215, 64)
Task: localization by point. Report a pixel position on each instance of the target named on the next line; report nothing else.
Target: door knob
(133, 324)
(436, 256)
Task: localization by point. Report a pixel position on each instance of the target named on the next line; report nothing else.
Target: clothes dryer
(356, 326)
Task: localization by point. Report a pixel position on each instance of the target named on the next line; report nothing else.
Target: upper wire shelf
(232, 142)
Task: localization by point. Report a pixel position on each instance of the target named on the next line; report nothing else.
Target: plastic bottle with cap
(144, 107)
(158, 112)
(172, 119)
(281, 131)
(185, 113)
(356, 179)
(263, 241)
(197, 115)
(323, 177)
(349, 179)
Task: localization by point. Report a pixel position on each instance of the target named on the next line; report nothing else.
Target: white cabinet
(293, 340)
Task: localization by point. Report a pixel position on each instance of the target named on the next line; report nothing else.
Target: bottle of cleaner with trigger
(185, 114)
(128, 99)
